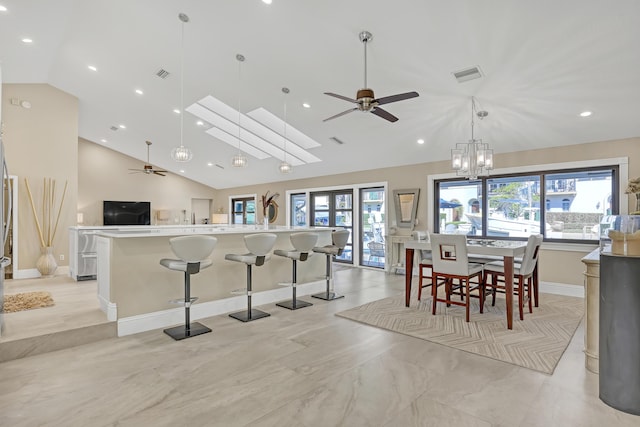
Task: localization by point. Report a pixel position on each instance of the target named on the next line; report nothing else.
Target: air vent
(114, 128)
(219, 166)
(468, 74)
(336, 140)
(162, 73)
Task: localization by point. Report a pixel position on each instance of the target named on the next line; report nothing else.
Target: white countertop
(177, 230)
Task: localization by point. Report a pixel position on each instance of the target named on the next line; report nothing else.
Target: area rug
(536, 343)
(26, 301)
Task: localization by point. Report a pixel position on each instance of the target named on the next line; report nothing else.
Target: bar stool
(303, 244)
(193, 252)
(339, 239)
(259, 246)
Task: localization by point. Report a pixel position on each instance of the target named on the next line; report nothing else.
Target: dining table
(507, 249)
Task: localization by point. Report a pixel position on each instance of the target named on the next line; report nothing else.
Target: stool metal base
(243, 316)
(291, 306)
(180, 332)
(327, 296)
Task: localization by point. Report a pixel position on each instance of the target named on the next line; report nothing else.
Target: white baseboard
(33, 273)
(562, 289)
(108, 307)
(175, 316)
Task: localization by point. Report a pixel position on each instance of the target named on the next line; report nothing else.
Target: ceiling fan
(148, 169)
(365, 98)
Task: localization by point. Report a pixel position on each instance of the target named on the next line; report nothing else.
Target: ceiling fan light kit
(366, 100)
(182, 154)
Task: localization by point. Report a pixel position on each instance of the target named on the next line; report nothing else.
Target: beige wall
(104, 175)
(40, 142)
(557, 266)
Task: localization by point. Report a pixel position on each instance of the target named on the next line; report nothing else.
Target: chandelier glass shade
(239, 160)
(182, 154)
(474, 158)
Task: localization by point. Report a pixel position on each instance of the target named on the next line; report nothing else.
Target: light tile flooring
(297, 368)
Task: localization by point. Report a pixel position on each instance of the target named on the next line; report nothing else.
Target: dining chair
(451, 261)
(522, 274)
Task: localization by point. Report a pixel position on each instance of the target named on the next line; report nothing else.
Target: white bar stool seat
(339, 239)
(259, 246)
(303, 244)
(193, 253)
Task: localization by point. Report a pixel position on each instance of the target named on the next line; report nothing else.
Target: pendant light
(284, 166)
(239, 160)
(182, 153)
(474, 158)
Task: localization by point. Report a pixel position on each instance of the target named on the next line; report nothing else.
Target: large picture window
(565, 205)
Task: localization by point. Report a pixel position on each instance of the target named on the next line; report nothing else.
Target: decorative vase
(47, 264)
(266, 223)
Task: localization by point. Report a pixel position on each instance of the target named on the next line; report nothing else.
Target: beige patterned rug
(536, 343)
(26, 301)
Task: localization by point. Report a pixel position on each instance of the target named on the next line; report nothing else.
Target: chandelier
(474, 158)
(182, 153)
(285, 167)
(239, 160)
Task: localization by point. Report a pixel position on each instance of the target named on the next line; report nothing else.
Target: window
(244, 210)
(575, 202)
(298, 210)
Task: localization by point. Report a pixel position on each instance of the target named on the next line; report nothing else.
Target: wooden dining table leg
(535, 285)
(508, 289)
(408, 275)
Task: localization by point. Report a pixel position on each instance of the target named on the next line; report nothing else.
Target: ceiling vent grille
(468, 74)
(336, 140)
(162, 73)
(219, 166)
(114, 128)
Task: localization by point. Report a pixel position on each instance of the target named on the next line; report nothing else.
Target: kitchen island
(135, 290)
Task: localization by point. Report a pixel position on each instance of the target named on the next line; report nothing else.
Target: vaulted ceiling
(542, 63)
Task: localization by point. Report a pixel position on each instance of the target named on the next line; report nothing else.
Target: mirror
(406, 203)
(272, 211)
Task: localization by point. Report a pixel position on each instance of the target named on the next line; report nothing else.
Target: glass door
(372, 220)
(298, 212)
(335, 209)
(244, 210)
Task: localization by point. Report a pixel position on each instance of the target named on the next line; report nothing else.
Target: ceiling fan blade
(396, 98)
(159, 173)
(341, 114)
(335, 95)
(384, 114)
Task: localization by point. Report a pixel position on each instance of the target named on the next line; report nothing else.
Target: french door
(372, 212)
(334, 209)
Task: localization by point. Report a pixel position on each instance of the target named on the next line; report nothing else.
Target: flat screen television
(126, 213)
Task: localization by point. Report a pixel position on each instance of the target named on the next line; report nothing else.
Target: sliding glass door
(372, 242)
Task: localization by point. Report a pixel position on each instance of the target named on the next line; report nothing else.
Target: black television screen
(126, 213)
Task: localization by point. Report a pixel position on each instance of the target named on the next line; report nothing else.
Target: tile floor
(297, 368)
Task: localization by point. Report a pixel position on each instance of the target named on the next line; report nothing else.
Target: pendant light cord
(285, 91)
(240, 59)
(182, 87)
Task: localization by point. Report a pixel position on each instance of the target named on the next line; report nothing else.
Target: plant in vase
(634, 188)
(267, 201)
(47, 264)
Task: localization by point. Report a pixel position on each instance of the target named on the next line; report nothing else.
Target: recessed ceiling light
(305, 105)
(122, 126)
(27, 40)
(266, 1)
(200, 123)
(139, 92)
(92, 67)
(175, 110)
(209, 164)
(103, 140)
(585, 114)
(421, 141)
(181, 170)
(3, 8)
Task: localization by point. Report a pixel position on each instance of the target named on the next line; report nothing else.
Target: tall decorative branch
(47, 230)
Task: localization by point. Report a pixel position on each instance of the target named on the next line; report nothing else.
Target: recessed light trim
(92, 67)
(139, 92)
(177, 111)
(586, 114)
(3, 8)
(27, 40)
(103, 140)
(267, 1)
(122, 126)
(420, 141)
(181, 170)
(200, 123)
(209, 164)
(306, 105)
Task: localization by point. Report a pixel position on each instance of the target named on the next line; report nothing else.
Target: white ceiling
(544, 62)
